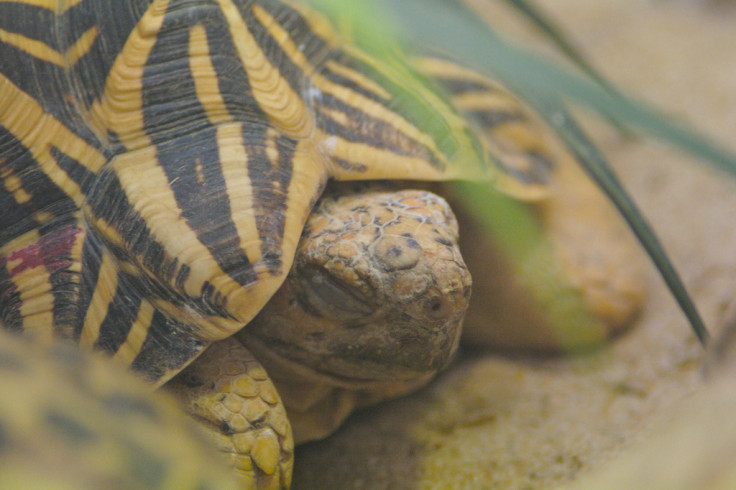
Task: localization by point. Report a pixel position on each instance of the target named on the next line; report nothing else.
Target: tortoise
(72, 419)
(159, 160)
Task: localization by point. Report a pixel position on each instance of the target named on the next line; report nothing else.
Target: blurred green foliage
(394, 30)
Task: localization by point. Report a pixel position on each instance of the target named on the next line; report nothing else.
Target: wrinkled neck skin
(318, 403)
(372, 308)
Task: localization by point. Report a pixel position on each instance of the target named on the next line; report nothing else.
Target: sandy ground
(496, 422)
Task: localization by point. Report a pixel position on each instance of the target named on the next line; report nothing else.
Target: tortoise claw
(228, 390)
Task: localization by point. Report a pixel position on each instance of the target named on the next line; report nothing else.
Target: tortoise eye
(328, 296)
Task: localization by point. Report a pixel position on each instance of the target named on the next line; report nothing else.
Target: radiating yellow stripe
(13, 184)
(105, 229)
(400, 166)
(521, 136)
(39, 131)
(307, 180)
(272, 150)
(59, 6)
(34, 47)
(286, 109)
(39, 49)
(447, 70)
(136, 270)
(456, 124)
(358, 78)
(43, 217)
(205, 77)
(121, 106)
(81, 46)
(148, 189)
(102, 296)
(34, 288)
(18, 243)
(65, 5)
(239, 188)
(338, 116)
(350, 97)
(47, 4)
(508, 143)
(380, 112)
(318, 23)
(37, 303)
(137, 334)
(283, 38)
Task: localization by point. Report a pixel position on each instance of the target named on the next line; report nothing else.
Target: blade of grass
(558, 37)
(553, 32)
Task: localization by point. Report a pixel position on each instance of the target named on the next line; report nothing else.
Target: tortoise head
(377, 292)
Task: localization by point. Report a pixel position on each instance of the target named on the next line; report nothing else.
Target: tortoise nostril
(438, 307)
(435, 304)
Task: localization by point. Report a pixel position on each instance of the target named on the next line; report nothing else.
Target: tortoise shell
(159, 160)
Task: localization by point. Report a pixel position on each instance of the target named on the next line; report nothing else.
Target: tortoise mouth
(401, 356)
(402, 351)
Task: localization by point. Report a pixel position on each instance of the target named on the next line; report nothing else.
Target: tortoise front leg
(229, 392)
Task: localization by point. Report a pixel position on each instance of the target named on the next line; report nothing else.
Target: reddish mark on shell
(50, 251)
